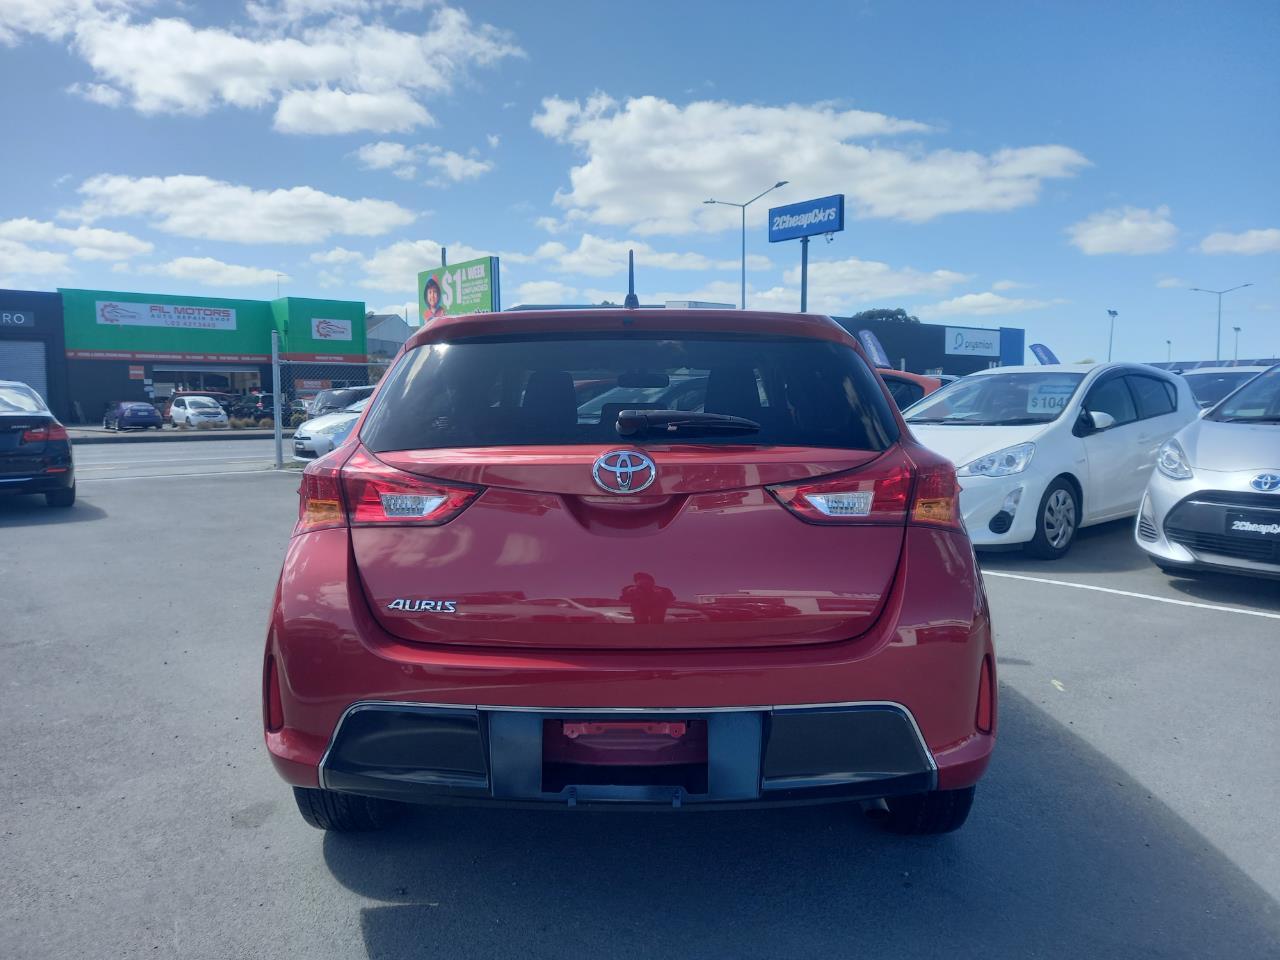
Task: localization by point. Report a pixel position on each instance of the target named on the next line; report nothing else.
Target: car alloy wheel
(1059, 519)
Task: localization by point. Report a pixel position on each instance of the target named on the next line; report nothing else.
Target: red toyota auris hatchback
(729, 576)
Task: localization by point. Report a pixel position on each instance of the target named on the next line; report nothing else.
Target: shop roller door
(24, 360)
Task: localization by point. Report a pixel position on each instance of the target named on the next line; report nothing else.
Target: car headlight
(1002, 463)
(1172, 461)
(333, 429)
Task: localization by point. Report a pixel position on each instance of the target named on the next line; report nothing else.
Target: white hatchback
(1043, 451)
(194, 411)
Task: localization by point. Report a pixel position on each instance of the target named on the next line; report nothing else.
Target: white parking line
(1130, 593)
(266, 471)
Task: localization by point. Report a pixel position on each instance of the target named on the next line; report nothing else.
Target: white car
(1043, 451)
(1213, 502)
(1211, 384)
(316, 437)
(194, 411)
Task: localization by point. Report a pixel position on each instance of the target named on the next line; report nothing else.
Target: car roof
(1071, 368)
(1237, 369)
(610, 319)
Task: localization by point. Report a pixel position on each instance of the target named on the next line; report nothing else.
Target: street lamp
(1169, 346)
(1236, 354)
(1111, 339)
(1218, 352)
(743, 208)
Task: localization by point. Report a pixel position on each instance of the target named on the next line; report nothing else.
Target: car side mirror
(1100, 421)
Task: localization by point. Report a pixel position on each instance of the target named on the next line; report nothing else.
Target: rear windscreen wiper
(640, 423)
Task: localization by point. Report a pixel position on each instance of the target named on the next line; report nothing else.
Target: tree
(897, 315)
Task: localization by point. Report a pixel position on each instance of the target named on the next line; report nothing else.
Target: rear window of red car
(568, 390)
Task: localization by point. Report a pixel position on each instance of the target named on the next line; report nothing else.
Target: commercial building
(935, 348)
(140, 346)
(31, 345)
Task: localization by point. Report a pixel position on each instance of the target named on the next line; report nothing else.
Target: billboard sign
(328, 328)
(807, 218)
(963, 341)
(17, 318)
(115, 313)
(469, 287)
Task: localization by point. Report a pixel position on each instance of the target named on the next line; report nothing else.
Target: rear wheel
(1056, 522)
(344, 812)
(938, 811)
(61, 498)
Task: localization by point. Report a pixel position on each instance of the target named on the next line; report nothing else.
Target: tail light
(366, 492)
(54, 431)
(890, 490)
(273, 706)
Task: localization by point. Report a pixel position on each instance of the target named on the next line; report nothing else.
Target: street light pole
(1236, 354)
(1217, 354)
(1111, 339)
(743, 208)
(1169, 345)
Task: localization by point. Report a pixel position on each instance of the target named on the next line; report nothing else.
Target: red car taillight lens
(986, 714)
(319, 500)
(54, 431)
(874, 494)
(378, 494)
(887, 491)
(273, 706)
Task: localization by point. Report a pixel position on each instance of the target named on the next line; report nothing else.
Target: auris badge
(623, 471)
(424, 606)
(1266, 482)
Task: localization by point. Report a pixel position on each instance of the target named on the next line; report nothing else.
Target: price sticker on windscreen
(1049, 397)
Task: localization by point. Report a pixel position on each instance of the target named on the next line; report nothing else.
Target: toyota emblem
(623, 471)
(1266, 482)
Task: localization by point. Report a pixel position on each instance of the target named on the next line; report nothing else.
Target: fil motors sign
(180, 316)
(967, 342)
(807, 218)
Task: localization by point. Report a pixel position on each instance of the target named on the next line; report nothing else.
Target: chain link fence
(304, 390)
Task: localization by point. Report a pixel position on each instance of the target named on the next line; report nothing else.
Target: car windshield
(202, 403)
(1209, 388)
(357, 406)
(999, 399)
(527, 391)
(1258, 401)
(15, 398)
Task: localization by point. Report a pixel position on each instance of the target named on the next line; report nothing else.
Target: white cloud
(396, 267)
(87, 243)
(545, 291)
(1007, 285)
(549, 224)
(648, 164)
(337, 255)
(1166, 283)
(493, 140)
(338, 111)
(98, 93)
(841, 284)
(456, 167)
(1128, 230)
(330, 67)
(1248, 243)
(19, 260)
(983, 305)
(403, 161)
(192, 206)
(599, 257)
(215, 273)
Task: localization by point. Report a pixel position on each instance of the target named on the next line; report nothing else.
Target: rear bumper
(919, 667)
(420, 753)
(37, 482)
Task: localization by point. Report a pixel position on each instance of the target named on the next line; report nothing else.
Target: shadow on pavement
(32, 511)
(1105, 548)
(1229, 589)
(1064, 856)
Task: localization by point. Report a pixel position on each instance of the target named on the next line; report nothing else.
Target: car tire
(344, 812)
(1057, 522)
(65, 497)
(938, 811)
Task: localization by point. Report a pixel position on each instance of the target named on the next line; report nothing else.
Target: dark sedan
(35, 452)
(131, 415)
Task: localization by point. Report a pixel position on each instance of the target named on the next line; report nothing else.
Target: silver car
(1213, 502)
(1211, 384)
(317, 436)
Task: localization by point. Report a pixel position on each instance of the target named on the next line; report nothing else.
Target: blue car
(131, 415)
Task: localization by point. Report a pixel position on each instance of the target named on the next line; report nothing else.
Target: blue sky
(1026, 164)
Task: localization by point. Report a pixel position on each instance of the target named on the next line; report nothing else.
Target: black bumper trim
(762, 756)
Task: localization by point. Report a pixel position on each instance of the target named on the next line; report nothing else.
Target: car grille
(1147, 530)
(1199, 523)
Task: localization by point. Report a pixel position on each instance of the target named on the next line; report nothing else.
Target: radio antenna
(632, 300)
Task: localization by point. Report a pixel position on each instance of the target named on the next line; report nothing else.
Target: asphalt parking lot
(1130, 810)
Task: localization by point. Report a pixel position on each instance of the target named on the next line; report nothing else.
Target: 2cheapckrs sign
(469, 287)
(807, 218)
(172, 315)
